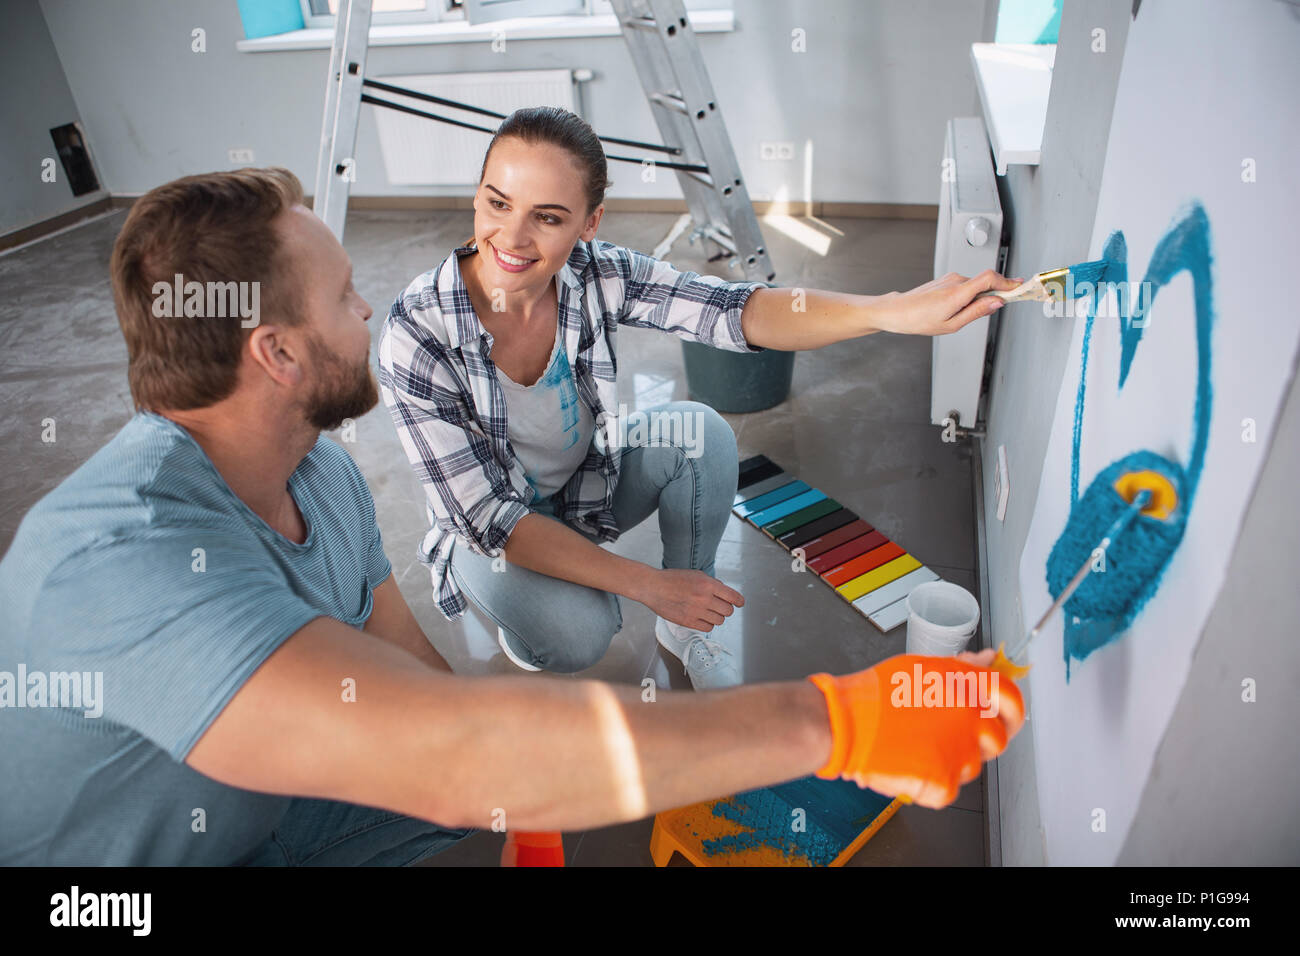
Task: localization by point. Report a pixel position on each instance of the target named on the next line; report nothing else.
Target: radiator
(421, 152)
(967, 242)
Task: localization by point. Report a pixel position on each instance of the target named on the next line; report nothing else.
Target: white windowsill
(1014, 81)
(519, 28)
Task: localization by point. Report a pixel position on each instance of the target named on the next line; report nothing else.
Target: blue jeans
(689, 475)
(331, 833)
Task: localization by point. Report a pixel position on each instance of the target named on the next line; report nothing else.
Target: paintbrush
(1054, 285)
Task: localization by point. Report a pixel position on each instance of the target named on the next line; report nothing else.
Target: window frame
(433, 12)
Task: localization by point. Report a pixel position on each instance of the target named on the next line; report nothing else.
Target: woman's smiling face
(529, 211)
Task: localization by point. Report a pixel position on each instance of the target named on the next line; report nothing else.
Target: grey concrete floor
(855, 426)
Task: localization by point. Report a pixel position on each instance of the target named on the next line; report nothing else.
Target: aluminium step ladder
(676, 83)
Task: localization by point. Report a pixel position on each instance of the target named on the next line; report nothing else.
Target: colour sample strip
(762, 487)
(755, 475)
(787, 507)
(841, 535)
(879, 577)
(754, 505)
(847, 551)
(862, 564)
(867, 569)
(755, 469)
(815, 529)
(806, 516)
(890, 617)
(882, 597)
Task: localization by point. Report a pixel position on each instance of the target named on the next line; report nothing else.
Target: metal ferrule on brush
(1053, 283)
(1042, 287)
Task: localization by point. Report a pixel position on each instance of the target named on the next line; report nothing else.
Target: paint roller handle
(1005, 666)
(918, 727)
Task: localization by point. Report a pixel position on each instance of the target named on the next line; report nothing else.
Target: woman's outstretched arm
(793, 319)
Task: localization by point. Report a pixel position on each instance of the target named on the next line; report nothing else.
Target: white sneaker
(705, 664)
(515, 658)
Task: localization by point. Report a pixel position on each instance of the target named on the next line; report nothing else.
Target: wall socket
(240, 156)
(774, 150)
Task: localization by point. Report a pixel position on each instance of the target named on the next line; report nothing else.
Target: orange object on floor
(545, 848)
(686, 829)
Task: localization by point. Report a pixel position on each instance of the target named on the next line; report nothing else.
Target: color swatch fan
(864, 567)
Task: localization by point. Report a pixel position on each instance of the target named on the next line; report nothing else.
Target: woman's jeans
(688, 474)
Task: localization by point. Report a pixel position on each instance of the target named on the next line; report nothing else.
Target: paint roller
(1138, 508)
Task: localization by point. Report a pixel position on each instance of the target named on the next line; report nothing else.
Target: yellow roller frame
(1164, 497)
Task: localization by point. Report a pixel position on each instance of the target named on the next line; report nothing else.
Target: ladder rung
(671, 102)
(711, 232)
(642, 23)
(705, 181)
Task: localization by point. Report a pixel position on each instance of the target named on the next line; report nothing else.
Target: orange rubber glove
(917, 727)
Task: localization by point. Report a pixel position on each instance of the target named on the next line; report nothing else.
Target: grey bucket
(737, 381)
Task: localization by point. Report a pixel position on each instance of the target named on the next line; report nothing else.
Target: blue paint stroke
(1114, 269)
(1105, 604)
(560, 378)
(835, 812)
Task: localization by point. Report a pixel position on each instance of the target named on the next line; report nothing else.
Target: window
(1028, 21)
(320, 13)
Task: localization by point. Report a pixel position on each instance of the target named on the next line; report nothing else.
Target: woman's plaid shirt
(441, 387)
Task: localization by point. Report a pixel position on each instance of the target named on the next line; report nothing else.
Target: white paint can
(941, 618)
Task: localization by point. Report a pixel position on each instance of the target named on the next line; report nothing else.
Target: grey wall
(873, 92)
(1050, 210)
(1225, 776)
(36, 99)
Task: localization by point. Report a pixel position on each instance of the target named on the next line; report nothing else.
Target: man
(267, 695)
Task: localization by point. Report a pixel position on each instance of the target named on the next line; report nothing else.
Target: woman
(499, 369)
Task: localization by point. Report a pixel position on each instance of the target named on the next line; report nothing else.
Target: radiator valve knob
(977, 231)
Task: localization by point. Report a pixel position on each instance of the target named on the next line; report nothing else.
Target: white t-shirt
(550, 427)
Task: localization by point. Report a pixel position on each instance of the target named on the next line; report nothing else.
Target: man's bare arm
(391, 619)
(553, 754)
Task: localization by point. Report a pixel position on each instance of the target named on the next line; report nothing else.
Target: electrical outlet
(771, 150)
(1001, 483)
(240, 156)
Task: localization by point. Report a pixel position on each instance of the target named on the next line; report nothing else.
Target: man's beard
(340, 392)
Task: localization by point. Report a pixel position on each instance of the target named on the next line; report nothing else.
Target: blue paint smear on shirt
(834, 813)
(1106, 603)
(560, 377)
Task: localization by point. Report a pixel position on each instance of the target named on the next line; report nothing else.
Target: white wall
(36, 99)
(873, 91)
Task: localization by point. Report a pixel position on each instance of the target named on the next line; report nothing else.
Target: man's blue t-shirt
(144, 576)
